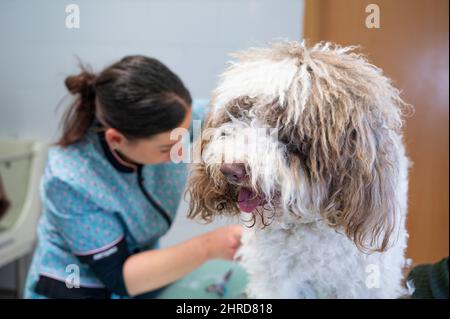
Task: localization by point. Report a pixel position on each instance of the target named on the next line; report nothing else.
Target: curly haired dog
(324, 179)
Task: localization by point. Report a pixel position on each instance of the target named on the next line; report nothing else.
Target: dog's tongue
(248, 201)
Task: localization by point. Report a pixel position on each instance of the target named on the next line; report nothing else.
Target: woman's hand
(152, 269)
(222, 242)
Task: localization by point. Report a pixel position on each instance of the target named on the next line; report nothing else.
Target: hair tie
(91, 90)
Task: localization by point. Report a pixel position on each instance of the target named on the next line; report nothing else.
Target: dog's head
(297, 134)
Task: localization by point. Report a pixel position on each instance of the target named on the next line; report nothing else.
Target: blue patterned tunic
(92, 200)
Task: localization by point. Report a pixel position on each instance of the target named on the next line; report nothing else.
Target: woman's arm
(153, 269)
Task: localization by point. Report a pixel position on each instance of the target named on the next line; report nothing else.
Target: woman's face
(152, 150)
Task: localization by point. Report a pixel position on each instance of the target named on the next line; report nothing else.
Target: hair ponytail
(81, 112)
(138, 96)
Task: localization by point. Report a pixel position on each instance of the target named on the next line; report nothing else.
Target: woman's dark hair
(138, 96)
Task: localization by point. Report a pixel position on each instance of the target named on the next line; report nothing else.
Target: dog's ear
(360, 176)
(348, 139)
(352, 165)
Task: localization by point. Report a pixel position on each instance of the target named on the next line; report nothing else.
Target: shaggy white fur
(310, 260)
(334, 188)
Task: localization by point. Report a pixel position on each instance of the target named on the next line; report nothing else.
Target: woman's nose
(234, 173)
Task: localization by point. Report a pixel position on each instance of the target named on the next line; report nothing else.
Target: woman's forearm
(153, 269)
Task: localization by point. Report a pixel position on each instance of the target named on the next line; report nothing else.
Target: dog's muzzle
(235, 174)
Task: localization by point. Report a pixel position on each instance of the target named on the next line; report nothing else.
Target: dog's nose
(233, 172)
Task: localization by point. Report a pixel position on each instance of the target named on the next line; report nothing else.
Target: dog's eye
(292, 149)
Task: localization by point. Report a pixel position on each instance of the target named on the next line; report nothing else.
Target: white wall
(193, 37)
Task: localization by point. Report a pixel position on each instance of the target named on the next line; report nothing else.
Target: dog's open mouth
(248, 201)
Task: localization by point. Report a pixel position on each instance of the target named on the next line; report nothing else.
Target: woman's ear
(115, 139)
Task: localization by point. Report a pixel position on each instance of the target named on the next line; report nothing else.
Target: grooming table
(208, 282)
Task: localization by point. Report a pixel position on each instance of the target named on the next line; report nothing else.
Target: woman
(109, 191)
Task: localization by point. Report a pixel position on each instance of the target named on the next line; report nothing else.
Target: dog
(322, 186)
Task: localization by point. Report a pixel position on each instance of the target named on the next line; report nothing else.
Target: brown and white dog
(323, 179)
